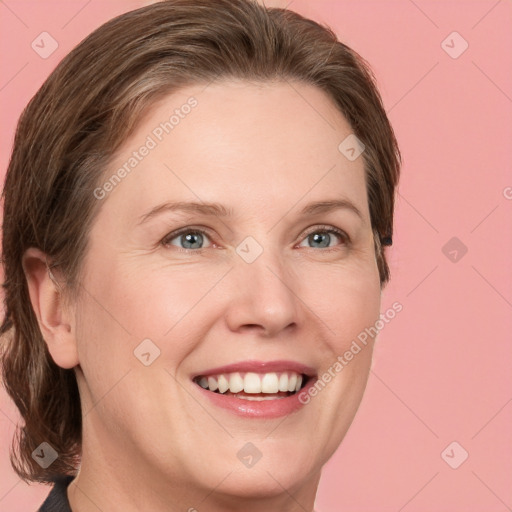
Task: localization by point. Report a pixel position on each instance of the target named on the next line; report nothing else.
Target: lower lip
(258, 409)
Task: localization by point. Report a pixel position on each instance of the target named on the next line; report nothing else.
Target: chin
(262, 482)
(275, 472)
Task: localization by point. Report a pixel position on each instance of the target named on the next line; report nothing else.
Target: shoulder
(57, 500)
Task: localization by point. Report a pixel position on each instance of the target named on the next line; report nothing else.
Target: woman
(195, 217)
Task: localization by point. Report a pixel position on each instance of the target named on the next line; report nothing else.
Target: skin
(150, 441)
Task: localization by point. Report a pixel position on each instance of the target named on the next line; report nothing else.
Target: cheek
(346, 298)
(361, 309)
(349, 306)
(129, 301)
(124, 306)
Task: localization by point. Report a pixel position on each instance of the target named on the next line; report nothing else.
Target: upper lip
(259, 367)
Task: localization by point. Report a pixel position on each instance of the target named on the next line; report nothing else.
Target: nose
(264, 297)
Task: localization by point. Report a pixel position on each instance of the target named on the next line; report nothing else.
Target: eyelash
(191, 229)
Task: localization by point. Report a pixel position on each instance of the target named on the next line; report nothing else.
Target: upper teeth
(253, 382)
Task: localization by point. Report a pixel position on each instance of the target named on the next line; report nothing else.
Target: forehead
(249, 145)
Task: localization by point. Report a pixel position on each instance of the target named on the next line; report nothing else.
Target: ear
(55, 321)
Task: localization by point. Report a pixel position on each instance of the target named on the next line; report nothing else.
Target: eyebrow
(219, 210)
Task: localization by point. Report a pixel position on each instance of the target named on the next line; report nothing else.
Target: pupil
(322, 239)
(189, 238)
(325, 236)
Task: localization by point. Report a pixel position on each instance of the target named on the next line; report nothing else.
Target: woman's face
(266, 283)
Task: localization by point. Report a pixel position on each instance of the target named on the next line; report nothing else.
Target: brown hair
(92, 101)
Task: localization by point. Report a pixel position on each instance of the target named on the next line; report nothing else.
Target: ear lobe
(55, 321)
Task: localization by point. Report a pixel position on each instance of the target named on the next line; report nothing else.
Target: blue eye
(192, 239)
(322, 235)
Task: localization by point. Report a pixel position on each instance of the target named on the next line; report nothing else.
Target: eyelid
(327, 228)
(186, 229)
(204, 230)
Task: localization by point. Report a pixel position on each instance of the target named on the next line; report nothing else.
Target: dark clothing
(57, 500)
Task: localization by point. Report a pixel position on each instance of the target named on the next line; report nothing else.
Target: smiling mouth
(254, 386)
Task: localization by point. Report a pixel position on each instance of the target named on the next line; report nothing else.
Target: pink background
(442, 366)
